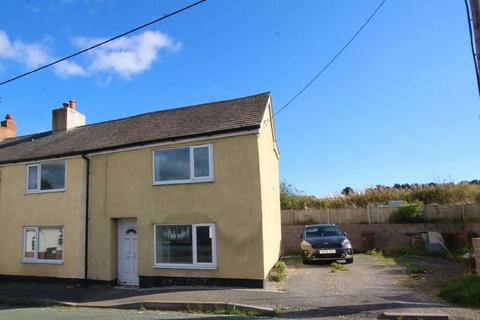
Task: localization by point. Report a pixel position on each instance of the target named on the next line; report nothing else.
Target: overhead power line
(104, 42)
(331, 60)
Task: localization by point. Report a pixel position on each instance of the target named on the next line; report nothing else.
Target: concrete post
(476, 249)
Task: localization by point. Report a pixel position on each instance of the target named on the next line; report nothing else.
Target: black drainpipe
(87, 202)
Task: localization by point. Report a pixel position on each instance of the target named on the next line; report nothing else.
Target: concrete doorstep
(414, 316)
(137, 305)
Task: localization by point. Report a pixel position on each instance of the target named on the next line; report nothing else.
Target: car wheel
(348, 261)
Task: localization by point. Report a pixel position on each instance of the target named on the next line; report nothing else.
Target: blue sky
(400, 105)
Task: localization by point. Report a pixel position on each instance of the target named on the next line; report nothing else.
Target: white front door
(127, 252)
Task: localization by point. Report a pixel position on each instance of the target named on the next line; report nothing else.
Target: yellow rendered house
(180, 196)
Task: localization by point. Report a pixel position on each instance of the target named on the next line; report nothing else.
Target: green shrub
(335, 266)
(279, 272)
(407, 213)
(375, 253)
(464, 290)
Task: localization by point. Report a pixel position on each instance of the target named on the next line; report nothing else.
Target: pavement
(367, 289)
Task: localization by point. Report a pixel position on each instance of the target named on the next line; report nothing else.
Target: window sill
(41, 261)
(183, 182)
(45, 191)
(184, 266)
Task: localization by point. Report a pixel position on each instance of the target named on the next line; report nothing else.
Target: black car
(325, 242)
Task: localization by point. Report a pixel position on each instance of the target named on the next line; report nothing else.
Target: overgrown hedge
(430, 194)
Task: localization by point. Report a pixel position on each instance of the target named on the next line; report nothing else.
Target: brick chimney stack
(8, 128)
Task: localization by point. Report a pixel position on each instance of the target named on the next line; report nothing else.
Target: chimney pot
(8, 117)
(65, 105)
(72, 104)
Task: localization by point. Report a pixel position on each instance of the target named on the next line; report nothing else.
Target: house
(179, 196)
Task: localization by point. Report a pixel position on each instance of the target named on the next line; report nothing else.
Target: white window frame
(37, 241)
(194, 265)
(39, 177)
(192, 178)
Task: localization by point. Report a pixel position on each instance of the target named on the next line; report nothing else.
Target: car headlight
(346, 243)
(306, 243)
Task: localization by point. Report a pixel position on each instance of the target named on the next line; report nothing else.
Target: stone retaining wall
(387, 236)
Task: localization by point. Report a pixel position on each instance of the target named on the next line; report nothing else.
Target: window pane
(29, 245)
(201, 162)
(32, 178)
(174, 244)
(172, 164)
(204, 245)
(53, 176)
(50, 246)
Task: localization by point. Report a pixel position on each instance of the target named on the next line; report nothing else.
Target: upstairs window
(183, 165)
(46, 177)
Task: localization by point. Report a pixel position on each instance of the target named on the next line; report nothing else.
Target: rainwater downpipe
(87, 203)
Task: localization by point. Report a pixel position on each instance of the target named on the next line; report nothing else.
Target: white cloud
(67, 68)
(126, 57)
(32, 55)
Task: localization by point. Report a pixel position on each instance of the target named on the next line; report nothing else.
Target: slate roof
(207, 119)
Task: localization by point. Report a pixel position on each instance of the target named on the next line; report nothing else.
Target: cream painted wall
(243, 202)
(121, 187)
(18, 209)
(270, 191)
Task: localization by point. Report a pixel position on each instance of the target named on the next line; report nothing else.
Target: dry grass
(428, 194)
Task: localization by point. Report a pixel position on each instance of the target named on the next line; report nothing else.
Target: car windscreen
(322, 231)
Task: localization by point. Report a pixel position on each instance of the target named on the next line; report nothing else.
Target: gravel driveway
(368, 288)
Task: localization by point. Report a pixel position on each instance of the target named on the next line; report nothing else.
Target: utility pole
(473, 14)
(474, 4)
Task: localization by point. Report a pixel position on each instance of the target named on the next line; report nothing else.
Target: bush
(375, 253)
(279, 272)
(464, 290)
(407, 213)
(335, 266)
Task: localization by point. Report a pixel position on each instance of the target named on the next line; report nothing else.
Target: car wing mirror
(345, 234)
(300, 236)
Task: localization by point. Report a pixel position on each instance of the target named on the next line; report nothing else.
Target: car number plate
(327, 251)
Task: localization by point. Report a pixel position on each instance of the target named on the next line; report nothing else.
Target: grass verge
(464, 290)
(229, 311)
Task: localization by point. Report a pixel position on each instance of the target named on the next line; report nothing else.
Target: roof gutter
(87, 205)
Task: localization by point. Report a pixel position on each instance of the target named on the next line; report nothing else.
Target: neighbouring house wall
(18, 209)
(121, 187)
(270, 184)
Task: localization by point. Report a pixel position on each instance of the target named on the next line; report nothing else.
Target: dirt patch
(437, 271)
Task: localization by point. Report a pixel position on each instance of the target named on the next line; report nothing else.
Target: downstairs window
(185, 246)
(43, 244)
